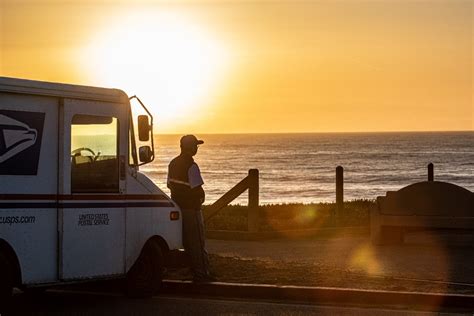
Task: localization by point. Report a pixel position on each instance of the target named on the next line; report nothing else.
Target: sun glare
(172, 63)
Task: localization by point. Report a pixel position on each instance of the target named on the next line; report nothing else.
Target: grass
(275, 217)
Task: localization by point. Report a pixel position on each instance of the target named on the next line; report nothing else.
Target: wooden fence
(251, 183)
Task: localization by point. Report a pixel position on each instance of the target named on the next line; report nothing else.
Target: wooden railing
(250, 183)
(340, 190)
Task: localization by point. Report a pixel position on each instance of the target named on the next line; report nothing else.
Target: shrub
(292, 216)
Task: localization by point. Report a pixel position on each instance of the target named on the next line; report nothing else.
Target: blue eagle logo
(15, 137)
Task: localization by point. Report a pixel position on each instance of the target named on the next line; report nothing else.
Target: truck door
(92, 209)
(28, 182)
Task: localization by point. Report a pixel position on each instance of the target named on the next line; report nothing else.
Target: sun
(171, 62)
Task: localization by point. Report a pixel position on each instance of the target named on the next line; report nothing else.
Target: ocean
(300, 168)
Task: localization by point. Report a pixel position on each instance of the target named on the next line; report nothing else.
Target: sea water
(300, 168)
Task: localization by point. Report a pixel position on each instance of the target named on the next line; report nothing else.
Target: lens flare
(364, 258)
(307, 215)
(295, 221)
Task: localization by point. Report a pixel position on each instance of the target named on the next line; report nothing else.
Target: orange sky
(235, 66)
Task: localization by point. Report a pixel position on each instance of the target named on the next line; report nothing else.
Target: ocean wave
(301, 167)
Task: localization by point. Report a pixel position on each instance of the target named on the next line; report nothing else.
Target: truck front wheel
(145, 277)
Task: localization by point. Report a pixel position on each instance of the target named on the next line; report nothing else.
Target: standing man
(185, 183)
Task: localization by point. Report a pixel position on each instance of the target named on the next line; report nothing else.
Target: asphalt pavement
(70, 303)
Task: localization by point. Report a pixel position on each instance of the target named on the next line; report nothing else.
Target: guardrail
(340, 189)
(250, 183)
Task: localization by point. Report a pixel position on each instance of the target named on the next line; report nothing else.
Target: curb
(321, 295)
(289, 234)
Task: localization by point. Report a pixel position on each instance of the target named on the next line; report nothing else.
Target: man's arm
(196, 182)
(198, 192)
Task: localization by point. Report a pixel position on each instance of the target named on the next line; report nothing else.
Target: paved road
(53, 303)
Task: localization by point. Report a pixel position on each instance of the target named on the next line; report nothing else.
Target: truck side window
(94, 154)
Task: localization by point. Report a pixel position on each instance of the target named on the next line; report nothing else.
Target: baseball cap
(190, 140)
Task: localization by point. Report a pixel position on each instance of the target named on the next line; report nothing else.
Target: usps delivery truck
(74, 205)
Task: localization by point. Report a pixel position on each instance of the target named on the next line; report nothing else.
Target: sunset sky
(257, 66)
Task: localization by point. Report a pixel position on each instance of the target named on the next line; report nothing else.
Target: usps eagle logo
(16, 137)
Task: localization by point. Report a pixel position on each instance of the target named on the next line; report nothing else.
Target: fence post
(339, 192)
(430, 172)
(253, 212)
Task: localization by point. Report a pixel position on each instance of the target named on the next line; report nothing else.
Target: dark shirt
(185, 182)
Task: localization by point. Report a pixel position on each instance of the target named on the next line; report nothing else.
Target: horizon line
(332, 132)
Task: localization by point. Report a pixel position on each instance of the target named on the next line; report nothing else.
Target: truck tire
(6, 281)
(34, 291)
(145, 276)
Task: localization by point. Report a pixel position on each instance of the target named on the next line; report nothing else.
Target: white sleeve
(194, 176)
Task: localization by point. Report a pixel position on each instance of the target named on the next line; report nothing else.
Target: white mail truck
(74, 205)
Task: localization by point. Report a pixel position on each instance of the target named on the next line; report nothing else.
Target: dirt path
(443, 261)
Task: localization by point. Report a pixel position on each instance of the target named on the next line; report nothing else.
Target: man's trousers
(194, 242)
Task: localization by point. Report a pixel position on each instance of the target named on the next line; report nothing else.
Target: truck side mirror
(145, 154)
(144, 128)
